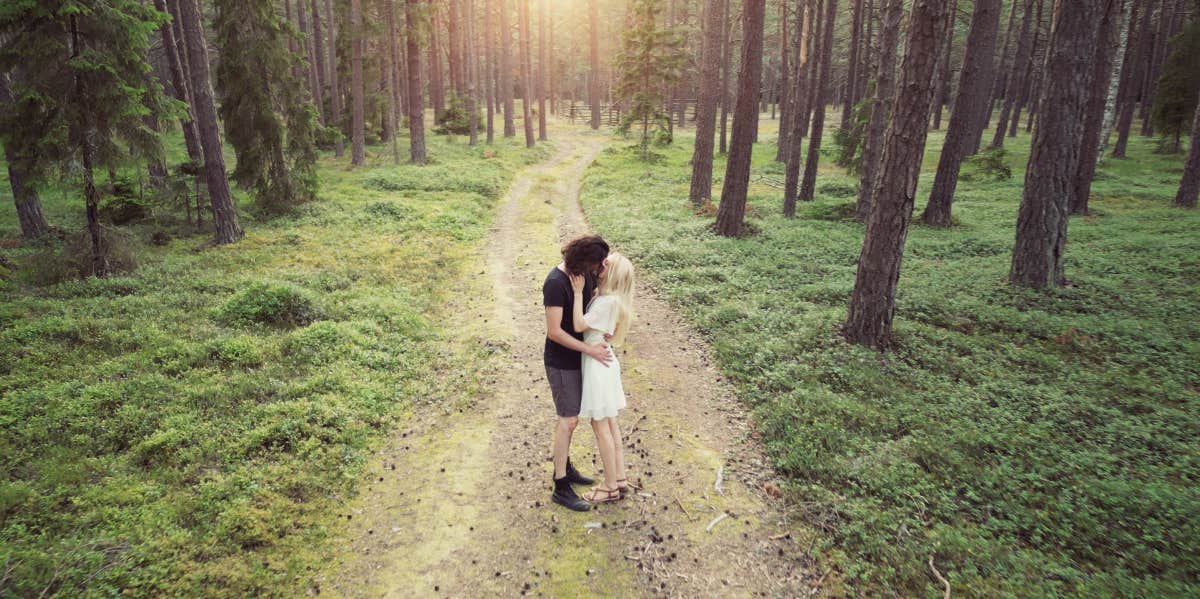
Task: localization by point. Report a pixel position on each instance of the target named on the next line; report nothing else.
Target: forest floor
(457, 503)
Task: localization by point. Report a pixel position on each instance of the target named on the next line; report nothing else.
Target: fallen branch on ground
(720, 480)
(715, 521)
(942, 579)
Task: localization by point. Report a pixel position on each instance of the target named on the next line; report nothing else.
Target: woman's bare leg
(604, 442)
(619, 450)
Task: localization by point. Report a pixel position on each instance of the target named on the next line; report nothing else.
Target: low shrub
(264, 303)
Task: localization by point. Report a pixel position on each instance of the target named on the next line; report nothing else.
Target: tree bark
(945, 81)
(504, 36)
(885, 95)
(791, 180)
(541, 72)
(1117, 80)
(1028, 79)
(392, 83)
(732, 210)
(706, 107)
(454, 33)
(437, 91)
(318, 57)
(1140, 57)
(1166, 18)
(335, 93)
(726, 48)
(873, 302)
(594, 62)
(1189, 184)
(471, 74)
(224, 213)
(416, 106)
(29, 206)
(785, 93)
(1098, 86)
(357, 131)
(808, 185)
(489, 83)
(526, 70)
(1013, 89)
(974, 88)
(1037, 259)
(179, 83)
(310, 53)
(856, 26)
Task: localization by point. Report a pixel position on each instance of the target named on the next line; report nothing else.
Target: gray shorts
(567, 388)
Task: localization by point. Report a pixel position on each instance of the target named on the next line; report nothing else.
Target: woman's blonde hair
(618, 281)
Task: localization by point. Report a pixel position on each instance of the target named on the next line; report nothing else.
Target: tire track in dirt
(457, 504)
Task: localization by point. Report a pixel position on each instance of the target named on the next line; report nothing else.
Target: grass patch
(1035, 444)
(187, 429)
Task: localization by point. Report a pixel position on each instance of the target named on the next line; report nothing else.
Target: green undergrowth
(188, 429)
(1030, 443)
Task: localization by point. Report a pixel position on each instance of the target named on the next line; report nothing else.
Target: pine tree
(357, 101)
(416, 105)
(1178, 87)
(885, 96)
(83, 104)
(706, 105)
(873, 303)
(732, 209)
(29, 206)
(1189, 183)
(269, 119)
(594, 62)
(808, 184)
(648, 63)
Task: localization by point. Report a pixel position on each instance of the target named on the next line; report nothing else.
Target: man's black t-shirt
(556, 291)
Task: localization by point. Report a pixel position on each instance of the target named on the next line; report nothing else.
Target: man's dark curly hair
(585, 252)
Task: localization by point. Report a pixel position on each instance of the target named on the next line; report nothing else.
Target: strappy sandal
(625, 487)
(609, 495)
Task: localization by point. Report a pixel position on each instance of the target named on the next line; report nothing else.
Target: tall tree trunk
(731, 212)
(357, 131)
(318, 57)
(594, 62)
(29, 206)
(974, 89)
(999, 77)
(437, 91)
(472, 71)
(1140, 56)
(526, 69)
(83, 132)
(1166, 16)
(1189, 184)
(335, 91)
(856, 26)
(416, 106)
(1013, 90)
(454, 33)
(1098, 85)
(726, 49)
(806, 28)
(873, 303)
(706, 107)
(179, 84)
(944, 82)
(885, 96)
(505, 79)
(1117, 81)
(1054, 159)
(541, 72)
(809, 184)
(489, 82)
(310, 53)
(553, 62)
(808, 75)
(224, 213)
(392, 83)
(1031, 64)
(785, 91)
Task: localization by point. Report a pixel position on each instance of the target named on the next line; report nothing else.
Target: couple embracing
(589, 304)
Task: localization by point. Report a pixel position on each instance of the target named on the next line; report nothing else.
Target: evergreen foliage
(269, 118)
(454, 119)
(49, 118)
(649, 62)
(1178, 88)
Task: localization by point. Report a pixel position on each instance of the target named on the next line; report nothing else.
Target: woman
(609, 313)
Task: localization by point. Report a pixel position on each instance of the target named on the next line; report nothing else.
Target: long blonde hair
(618, 282)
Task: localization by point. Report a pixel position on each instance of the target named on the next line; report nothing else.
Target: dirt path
(457, 505)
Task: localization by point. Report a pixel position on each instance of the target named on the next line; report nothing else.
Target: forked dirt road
(458, 505)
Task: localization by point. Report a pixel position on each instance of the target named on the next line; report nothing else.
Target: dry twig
(715, 521)
(720, 481)
(942, 579)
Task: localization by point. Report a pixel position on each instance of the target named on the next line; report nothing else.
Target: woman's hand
(577, 282)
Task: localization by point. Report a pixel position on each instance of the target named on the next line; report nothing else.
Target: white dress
(603, 395)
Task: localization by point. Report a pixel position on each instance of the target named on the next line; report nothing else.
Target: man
(563, 353)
